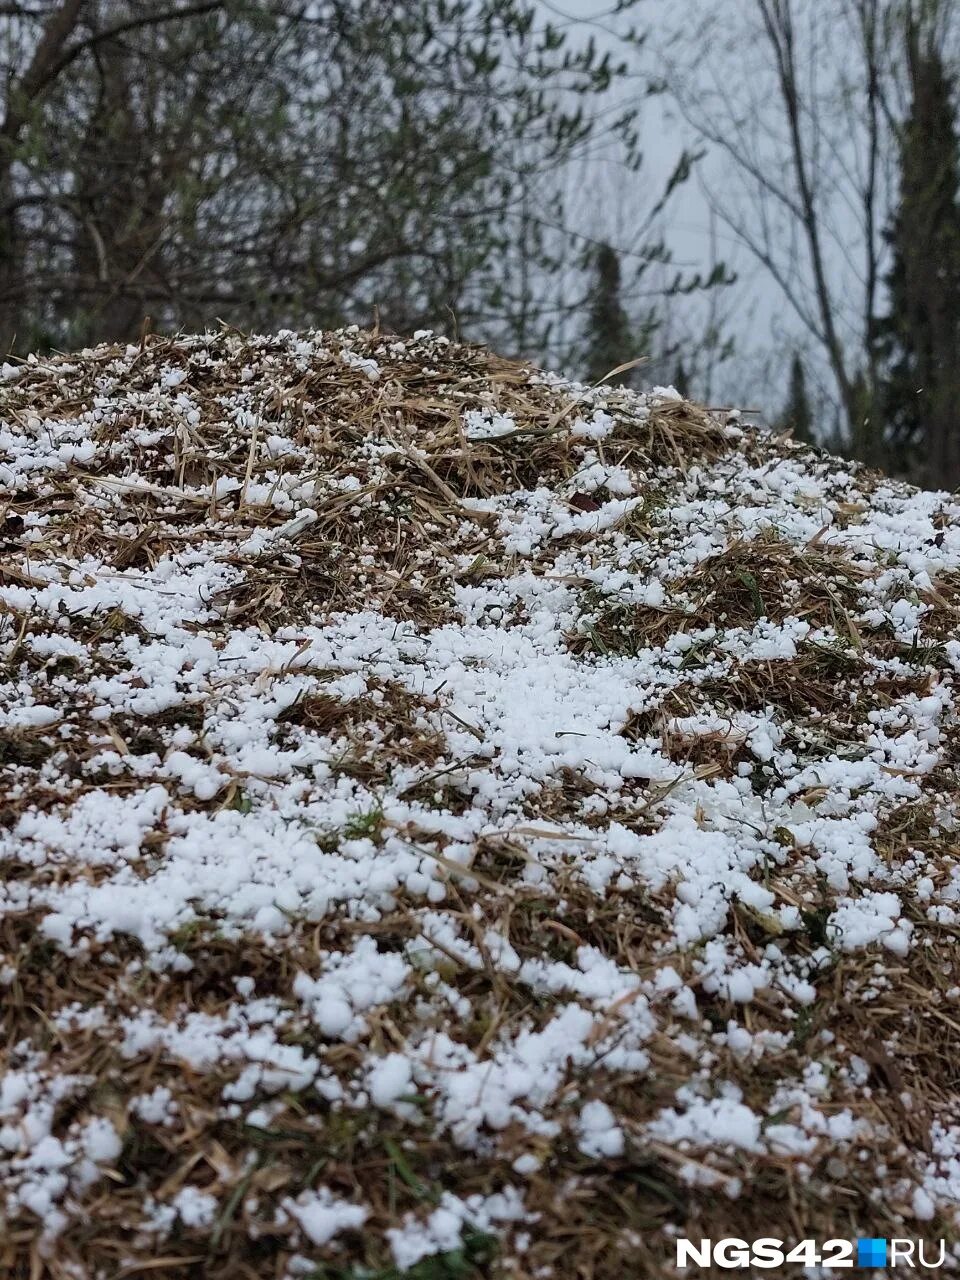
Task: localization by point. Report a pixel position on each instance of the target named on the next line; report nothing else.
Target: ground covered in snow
(456, 823)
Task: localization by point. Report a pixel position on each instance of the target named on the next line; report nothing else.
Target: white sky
(696, 239)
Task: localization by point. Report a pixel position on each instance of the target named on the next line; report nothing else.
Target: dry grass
(393, 534)
(751, 580)
(594, 1221)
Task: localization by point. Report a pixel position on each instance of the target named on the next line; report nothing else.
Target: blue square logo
(871, 1252)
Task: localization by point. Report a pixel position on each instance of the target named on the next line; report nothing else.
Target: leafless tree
(282, 162)
(802, 99)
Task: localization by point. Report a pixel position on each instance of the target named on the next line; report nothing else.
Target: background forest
(515, 172)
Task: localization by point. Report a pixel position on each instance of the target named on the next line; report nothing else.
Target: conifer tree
(919, 338)
(797, 416)
(609, 338)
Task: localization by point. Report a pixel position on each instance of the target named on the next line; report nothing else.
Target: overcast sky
(618, 204)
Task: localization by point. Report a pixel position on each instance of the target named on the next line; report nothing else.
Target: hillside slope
(459, 823)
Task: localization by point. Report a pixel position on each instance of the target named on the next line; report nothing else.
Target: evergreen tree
(609, 338)
(797, 416)
(681, 380)
(919, 339)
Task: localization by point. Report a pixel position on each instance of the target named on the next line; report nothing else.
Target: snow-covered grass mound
(457, 823)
